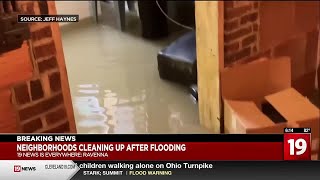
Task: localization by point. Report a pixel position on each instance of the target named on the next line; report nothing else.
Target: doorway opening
(113, 71)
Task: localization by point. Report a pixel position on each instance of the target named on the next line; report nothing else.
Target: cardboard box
(258, 98)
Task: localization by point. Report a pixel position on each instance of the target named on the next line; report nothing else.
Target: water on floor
(116, 88)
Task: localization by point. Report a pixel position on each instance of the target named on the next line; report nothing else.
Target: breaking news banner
(206, 156)
(47, 18)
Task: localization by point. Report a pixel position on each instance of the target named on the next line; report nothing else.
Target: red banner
(141, 151)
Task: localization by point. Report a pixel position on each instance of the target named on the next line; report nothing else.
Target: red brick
(36, 90)
(239, 55)
(231, 25)
(59, 129)
(55, 82)
(45, 50)
(43, 6)
(255, 27)
(30, 8)
(237, 34)
(266, 54)
(236, 12)
(231, 47)
(242, 3)
(228, 4)
(249, 18)
(256, 5)
(249, 40)
(32, 126)
(48, 64)
(41, 107)
(22, 94)
(6, 7)
(42, 33)
(254, 49)
(55, 116)
(243, 53)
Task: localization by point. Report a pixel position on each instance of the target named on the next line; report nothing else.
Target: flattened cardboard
(253, 81)
(239, 84)
(236, 82)
(296, 108)
(247, 114)
(275, 129)
(246, 117)
(293, 106)
(279, 75)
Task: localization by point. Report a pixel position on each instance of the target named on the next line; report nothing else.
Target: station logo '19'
(18, 168)
(297, 144)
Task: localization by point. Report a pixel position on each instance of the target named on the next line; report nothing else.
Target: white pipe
(172, 20)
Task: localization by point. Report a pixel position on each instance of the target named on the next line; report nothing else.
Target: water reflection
(105, 111)
(91, 116)
(116, 87)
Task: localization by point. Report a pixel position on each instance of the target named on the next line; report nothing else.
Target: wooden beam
(210, 59)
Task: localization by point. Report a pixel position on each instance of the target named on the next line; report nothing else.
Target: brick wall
(241, 24)
(243, 33)
(39, 101)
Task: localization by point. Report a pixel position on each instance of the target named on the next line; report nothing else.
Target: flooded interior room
(111, 59)
(160, 67)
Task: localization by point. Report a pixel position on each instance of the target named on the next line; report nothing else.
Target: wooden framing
(210, 60)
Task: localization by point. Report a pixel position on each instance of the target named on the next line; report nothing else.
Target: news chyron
(47, 18)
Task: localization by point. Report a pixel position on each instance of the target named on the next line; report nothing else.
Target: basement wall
(256, 29)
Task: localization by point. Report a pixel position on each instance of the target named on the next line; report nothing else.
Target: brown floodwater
(116, 88)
